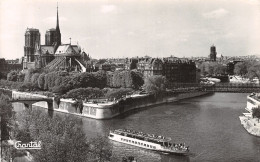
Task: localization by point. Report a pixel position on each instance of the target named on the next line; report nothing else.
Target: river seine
(210, 125)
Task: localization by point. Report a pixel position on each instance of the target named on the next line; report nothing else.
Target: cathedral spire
(57, 24)
(57, 35)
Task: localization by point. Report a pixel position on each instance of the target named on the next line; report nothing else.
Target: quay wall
(106, 111)
(251, 125)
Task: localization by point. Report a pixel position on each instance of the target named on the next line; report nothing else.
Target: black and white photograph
(130, 80)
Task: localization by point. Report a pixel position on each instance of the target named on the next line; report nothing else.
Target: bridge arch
(29, 101)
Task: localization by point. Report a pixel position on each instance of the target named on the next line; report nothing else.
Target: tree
(34, 79)
(7, 117)
(254, 71)
(212, 68)
(137, 79)
(21, 76)
(219, 69)
(12, 76)
(124, 79)
(29, 73)
(240, 68)
(63, 139)
(256, 113)
(100, 79)
(100, 149)
(41, 81)
(155, 84)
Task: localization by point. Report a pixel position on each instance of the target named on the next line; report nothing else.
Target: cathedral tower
(213, 53)
(53, 36)
(32, 39)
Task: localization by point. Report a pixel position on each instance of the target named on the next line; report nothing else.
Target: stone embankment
(252, 125)
(106, 109)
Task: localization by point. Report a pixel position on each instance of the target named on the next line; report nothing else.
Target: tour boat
(148, 141)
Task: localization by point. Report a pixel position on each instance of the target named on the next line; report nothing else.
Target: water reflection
(209, 125)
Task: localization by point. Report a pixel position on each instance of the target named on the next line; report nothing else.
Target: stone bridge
(29, 101)
(218, 87)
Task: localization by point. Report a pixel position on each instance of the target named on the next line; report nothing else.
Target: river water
(210, 125)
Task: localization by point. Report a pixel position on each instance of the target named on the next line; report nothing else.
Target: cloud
(215, 14)
(53, 19)
(108, 8)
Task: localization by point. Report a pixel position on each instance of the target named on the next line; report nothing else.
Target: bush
(28, 87)
(84, 93)
(12, 76)
(10, 84)
(118, 93)
(62, 89)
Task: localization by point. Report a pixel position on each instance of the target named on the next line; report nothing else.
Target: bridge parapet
(29, 101)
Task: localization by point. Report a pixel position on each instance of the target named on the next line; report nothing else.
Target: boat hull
(145, 144)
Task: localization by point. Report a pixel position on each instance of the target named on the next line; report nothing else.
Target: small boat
(148, 141)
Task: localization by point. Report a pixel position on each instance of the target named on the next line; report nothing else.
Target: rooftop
(32, 29)
(52, 29)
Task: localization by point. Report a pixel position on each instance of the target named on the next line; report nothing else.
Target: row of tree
(61, 81)
(212, 68)
(125, 79)
(249, 69)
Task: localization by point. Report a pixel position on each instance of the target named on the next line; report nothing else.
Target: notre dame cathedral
(52, 55)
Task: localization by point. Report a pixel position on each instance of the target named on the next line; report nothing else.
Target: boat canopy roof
(141, 134)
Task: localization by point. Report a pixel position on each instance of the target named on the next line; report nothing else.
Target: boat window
(151, 146)
(138, 143)
(135, 142)
(154, 147)
(144, 144)
(147, 145)
(111, 135)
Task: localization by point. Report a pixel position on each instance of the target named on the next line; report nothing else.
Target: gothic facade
(52, 55)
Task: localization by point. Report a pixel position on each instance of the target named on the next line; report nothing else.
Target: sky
(128, 28)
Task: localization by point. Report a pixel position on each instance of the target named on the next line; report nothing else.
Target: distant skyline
(128, 28)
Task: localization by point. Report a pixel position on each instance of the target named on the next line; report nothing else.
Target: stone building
(180, 71)
(150, 66)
